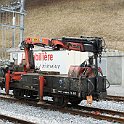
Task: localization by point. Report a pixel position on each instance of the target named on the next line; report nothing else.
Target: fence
(11, 26)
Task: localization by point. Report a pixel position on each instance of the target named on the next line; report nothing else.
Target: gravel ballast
(42, 116)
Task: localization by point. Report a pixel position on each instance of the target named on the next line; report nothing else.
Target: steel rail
(15, 120)
(115, 98)
(99, 110)
(95, 116)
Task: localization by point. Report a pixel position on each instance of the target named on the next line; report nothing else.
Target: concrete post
(123, 71)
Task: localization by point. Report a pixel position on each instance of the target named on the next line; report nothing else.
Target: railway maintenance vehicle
(85, 81)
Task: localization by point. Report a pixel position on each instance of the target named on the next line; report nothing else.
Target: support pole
(96, 65)
(41, 88)
(13, 29)
(7, 84)
(22, 21)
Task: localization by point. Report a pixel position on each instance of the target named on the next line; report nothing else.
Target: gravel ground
(112, 105)
(5, 122)
(116, 90)
(41, 116)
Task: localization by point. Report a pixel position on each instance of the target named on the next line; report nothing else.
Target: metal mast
(11, 25)
(22, 20)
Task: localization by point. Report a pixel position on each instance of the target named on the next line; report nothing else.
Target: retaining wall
(114, 67)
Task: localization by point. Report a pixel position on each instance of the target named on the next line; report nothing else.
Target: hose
(92, 86)
(108, 84)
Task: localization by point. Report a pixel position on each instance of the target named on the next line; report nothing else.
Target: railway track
(14, 120)
(101, 114)
(115, 98)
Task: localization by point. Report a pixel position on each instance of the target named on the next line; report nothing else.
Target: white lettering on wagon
(48, 66)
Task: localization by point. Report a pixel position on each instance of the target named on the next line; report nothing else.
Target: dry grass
(57, 18)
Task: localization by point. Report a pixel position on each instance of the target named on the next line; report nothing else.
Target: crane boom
(82, 44)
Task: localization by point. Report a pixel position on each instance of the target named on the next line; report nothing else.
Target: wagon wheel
(18, 93)
(60, 101)
(74, 101)
(33, 95)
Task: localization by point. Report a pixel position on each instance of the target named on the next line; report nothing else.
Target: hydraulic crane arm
(28, 46)
(82, 44)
